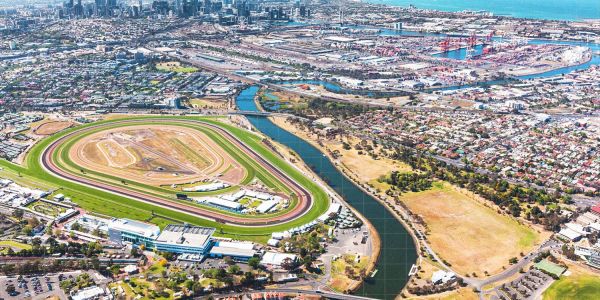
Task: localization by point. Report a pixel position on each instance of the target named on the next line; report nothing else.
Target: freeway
(305, 199)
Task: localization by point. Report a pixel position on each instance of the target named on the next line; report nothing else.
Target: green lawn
(46, 208)
(580, 287)
(15, 245)
(103, 202)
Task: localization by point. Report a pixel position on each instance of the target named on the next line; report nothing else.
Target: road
(329, 295)
(514, 269)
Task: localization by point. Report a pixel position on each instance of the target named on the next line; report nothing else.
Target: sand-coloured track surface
(156, 155)
(52, 127)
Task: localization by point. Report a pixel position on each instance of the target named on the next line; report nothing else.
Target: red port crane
(472, 40)
(445, 45)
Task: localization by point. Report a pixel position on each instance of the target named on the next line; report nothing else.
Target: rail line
(305, 199)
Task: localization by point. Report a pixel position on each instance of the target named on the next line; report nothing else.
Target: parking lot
(527, 286)
(207, 263)
(34, 287)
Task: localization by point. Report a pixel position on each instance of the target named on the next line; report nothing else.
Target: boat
(374, 273)
(413, 270)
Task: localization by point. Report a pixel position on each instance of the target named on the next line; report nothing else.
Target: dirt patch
(52, 127)
(208, 103)
(156, 155)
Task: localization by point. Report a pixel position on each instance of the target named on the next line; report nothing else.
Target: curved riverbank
(375, 238)
(348, 173)
(398, 252)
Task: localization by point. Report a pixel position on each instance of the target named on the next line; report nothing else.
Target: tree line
(508, 196)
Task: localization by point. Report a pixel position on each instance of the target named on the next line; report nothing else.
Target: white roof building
(222, 202)
(134, 227)
(233, 249)
(266, 206)
(207, 187)
(576, 227)
(570, 234)
(273, 242)
(129, 269)
(91, 292)
(276, 258)
(442, 276)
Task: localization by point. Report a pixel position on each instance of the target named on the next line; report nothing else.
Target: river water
(398, 251)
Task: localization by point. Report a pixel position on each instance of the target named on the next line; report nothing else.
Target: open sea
(571, 10)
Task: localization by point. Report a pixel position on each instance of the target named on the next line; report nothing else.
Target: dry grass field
(208, 103)
(52, 127)
(174, 66)
(156, 155)
(467, 234)
(365, 167)
(464, 232)
(459, 294)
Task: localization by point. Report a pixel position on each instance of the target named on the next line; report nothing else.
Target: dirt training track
(305, 199)
(156, 155)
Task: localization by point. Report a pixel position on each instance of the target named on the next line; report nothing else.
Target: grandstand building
(184, 239)
(125, 231)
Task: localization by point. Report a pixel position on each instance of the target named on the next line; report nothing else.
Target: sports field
(245, 148)
(467, 234)
(581, 287)
(581, 283)
(16, 246)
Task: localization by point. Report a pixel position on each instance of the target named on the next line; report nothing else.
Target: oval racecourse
(141, 158)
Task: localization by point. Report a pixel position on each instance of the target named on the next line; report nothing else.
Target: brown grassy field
(208, 103)
(156, 155)
(467, 234)
(459, 294)
(363, 166)
(52, 127)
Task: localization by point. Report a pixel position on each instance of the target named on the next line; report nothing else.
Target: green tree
(254, 262)
(233, 269)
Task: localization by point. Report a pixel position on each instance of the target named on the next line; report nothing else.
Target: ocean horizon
(567, 10)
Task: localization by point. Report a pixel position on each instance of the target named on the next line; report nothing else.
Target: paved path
(329, 295)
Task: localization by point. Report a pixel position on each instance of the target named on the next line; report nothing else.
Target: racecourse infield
(106, 197)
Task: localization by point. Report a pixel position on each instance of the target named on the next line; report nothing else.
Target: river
(398, 251)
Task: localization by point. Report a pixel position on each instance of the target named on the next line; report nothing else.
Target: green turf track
(62, 160)
(103, 202)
